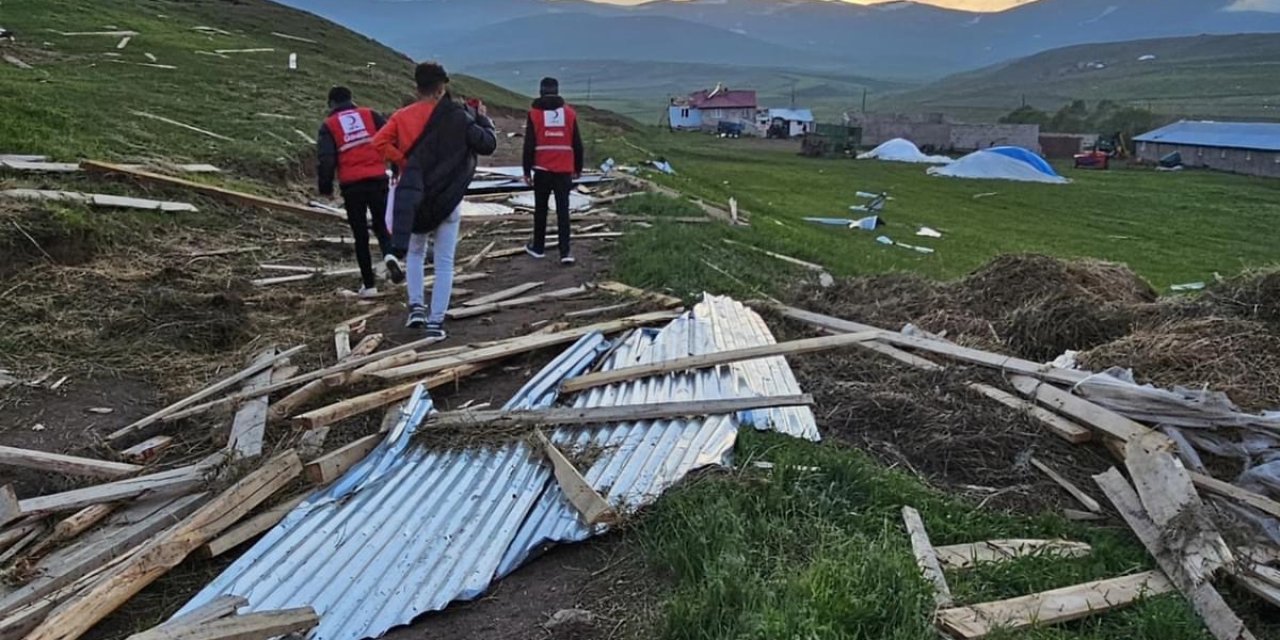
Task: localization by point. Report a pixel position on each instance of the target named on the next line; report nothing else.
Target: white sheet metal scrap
(410, 529)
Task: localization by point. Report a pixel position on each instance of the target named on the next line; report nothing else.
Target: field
(139, 309)
(1170, 228)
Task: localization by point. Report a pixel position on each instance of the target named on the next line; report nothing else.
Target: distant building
(1251, 148)
(938, 133)
(1064, 146)
(707, 108)
(797, 121)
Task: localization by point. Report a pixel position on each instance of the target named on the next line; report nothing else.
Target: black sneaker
(566, 260)
(417, 317)
(436, 330)
(395, 273)
(537, 255)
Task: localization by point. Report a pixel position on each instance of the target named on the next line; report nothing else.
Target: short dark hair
(338, 95)
(430, 76)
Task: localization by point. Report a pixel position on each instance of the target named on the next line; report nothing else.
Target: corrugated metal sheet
(410, 529)
(1260, 136)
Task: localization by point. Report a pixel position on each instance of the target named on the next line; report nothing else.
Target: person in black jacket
(434, 142)
(344, 146)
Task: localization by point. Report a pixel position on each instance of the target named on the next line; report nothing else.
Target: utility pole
(864, 99)
(588, 91)
(793, 94)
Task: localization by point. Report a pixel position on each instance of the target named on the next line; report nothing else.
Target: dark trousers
(361, 200)
(545, 184)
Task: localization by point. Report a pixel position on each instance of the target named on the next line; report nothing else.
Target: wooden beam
(69, 465)
(474, 261)
(668, 302)
(138, 427)
(1214, 611)
(591, 506)
(479, 310)
(505, 294)
(74, 525)
(796, 347)
(245, 199)
(332, 465)
(163, 483)
(1091, 415)
(1056, 424)
(596, 311)
(165, 551)
(281, 408)
(360, 404)
(250, 423)
(342, 341)
(253, 527)
(965, 556)
(565, 416)
(1068, 486)
(219, 607)
(778, 256)
(926, 557)
(10, 508)
(260, 625)
(1238, 494)
(521, 345)
(152, 116)
(147, 450)
(1052, 607)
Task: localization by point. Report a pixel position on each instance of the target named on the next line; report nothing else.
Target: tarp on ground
(902, 150)
(1001, 163)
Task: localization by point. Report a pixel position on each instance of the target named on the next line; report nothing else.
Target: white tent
(901, 150)
(990, 165)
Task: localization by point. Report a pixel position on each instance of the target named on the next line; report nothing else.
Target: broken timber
(152, 116)
(1052, 607)
(165, 482)
(591, 506)
(667, 302)
(1106, 421)
(505, 294)
(795, 347)
(1058, 425)
(219, 607)
(491, 307)
(964, 556)
(926, 557)
(237, 197)
(99, 200)
(788, 259)
(360, 404)
(330, 466)
(251, 528)
(1076, 492)
(250, 422)
(259, 625)
(316, 388)
(147, 450)
(69, 465)
(566, 416)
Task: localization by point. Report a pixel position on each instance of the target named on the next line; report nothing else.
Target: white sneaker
(395, 273)
(368, 292)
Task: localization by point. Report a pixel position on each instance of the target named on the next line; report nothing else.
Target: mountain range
(896, 40)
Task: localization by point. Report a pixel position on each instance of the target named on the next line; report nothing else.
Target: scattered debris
(869, 223)
(886, 240)
(124, 42)
(224, 52)
(295, 38)
(100, 200)
(1189, 286)
(16, 62)
(929, 232)
(151, 116)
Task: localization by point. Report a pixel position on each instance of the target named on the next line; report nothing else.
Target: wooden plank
(368, 402)
(332, 465)
(165, 551)
(250, 423)
(219, 607)
(1056, 424)
(1007, 364)
(926, 557)
(253, 527)
(663, 299)
(295, 38)
(283, 407)
(163, 483)
(259, 625)
(1238, 494)
(69, 465)
(475, 260)
(558, 294)
(10, 508)
(237, 197)
(795, 347)
(504, 294)
(1170, 500)
(785, 258)
(152, 116)
(564, 416)
(17, 62)
(74, 525)
(303, 277)
(19, 530)
(137, 524)
(1214, 611)
(597, 311)
(138, 427)
(342, 341)
(965, 556)
(1052, 607)
(1070, 487)
(1091, 415)
(147, 450)
(522, 345)
(591, 506)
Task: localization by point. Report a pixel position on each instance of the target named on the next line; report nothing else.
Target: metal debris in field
(929, 232)
(415, 526)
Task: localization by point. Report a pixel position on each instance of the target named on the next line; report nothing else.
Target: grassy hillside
(1203, 76)
(641, 89)
(79, 99)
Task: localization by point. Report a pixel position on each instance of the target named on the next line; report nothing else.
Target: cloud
(1267, 6)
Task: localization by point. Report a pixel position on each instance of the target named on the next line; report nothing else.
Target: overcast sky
(971, 5)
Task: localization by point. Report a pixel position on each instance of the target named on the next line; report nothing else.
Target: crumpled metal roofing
(410, 529)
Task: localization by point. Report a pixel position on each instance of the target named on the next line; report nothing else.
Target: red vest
(553, 131)
(352, 130)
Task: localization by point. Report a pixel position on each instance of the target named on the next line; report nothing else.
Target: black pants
(361, 200)
(545, 184)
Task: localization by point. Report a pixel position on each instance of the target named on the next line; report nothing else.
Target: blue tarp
(1026, 155)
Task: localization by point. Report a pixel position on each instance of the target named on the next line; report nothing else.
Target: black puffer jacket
(439, 170)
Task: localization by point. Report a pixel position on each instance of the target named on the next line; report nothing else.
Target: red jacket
(555, 132)
(351, 130)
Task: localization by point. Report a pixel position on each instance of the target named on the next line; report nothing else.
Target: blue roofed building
(1250, 148)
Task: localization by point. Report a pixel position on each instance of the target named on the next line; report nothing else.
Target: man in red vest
(552, 161)
(345, 146)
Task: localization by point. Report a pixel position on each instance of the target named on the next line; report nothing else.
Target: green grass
(1169, 227)
(791, 553)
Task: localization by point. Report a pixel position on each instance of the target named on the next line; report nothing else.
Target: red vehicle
(1093, 160)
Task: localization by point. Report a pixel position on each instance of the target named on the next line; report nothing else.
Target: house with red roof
(709, 107)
